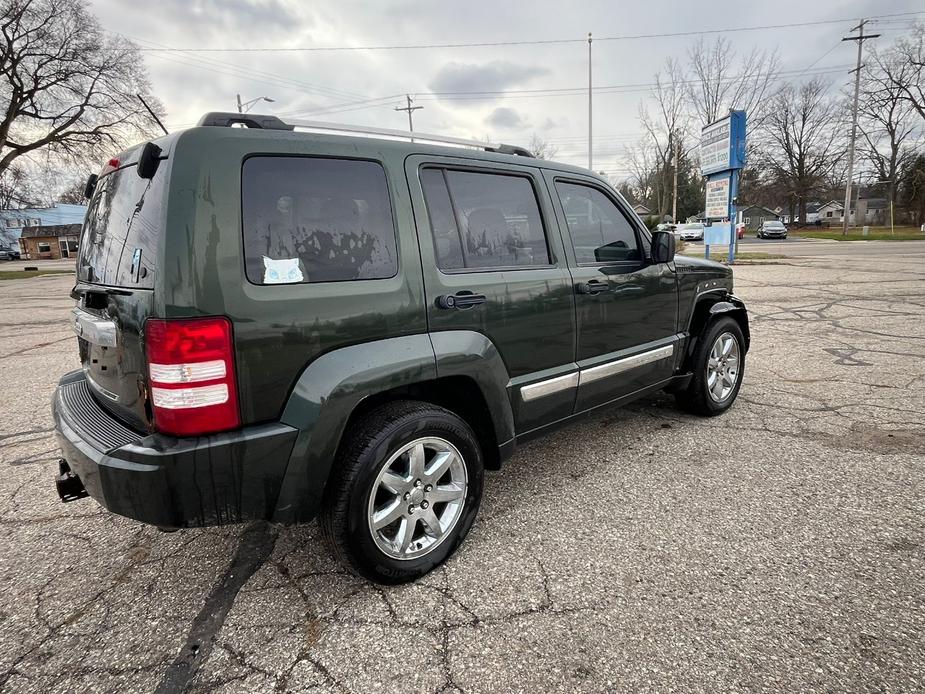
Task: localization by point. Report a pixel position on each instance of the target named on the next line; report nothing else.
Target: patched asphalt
(778, 547)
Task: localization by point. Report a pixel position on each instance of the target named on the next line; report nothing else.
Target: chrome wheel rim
(417, 498)
(723, 367)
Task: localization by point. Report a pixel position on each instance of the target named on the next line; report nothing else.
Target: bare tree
(540, 148)
(723, 81)
(886, 122)
(904, 68)
(664, 127)
(65, 85)
(640, 161)
(804, 143)
(15, 191)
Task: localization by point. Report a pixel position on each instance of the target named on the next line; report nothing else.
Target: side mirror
(663, 246)
(90, 187)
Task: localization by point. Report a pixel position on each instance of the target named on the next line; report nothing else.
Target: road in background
(801, 247)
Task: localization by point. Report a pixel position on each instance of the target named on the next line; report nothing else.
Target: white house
(869, 211)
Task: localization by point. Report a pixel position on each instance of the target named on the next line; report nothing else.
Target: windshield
(692, 227)
(118, 244)
(775, 225)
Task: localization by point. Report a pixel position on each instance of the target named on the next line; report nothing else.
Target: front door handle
(460, 300)
(592, 287)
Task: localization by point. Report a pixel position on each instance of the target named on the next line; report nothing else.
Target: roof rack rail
(223, 119)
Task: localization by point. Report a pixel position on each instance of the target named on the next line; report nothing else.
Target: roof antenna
(156, 119)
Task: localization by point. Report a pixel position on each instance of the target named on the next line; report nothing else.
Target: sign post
(722, 156)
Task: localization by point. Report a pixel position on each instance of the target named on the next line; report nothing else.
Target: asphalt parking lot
(778, 547)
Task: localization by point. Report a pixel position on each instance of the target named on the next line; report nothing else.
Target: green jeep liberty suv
(281, 325)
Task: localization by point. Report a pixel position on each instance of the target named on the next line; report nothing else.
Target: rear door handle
(460, 300)
(592, 287)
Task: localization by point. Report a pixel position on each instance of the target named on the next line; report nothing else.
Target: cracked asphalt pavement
(778, 547)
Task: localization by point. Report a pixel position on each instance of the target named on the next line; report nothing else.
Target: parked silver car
(690, 232)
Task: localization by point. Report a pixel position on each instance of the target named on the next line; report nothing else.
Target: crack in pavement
(254, 548)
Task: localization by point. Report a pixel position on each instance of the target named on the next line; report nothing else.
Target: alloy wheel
(723, 367)
(417, 498)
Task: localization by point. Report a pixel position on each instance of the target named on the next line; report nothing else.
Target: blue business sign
(722, 155)
(722, 144)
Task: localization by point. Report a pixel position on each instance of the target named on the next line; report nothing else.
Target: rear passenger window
(316, 220)
(482, 220)
(600, 232)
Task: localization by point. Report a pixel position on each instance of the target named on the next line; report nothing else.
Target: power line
(538, 42)
(256, 75)
(622, 88)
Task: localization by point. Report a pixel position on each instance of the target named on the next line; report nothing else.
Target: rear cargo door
(116, 272)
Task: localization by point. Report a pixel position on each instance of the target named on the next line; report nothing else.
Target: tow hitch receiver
(69, 486)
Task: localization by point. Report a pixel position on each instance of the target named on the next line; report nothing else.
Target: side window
(599, 230)
(447, 241)
(309, 219)
(484, 220)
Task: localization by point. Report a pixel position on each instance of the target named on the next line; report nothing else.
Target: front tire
(406, 491)
(718, 365)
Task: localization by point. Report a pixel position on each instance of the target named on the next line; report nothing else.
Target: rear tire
(710, 391)
(404, 492)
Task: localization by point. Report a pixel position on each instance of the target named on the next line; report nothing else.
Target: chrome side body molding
(594, 373)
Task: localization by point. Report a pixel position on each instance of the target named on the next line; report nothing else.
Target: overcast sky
(326, 85)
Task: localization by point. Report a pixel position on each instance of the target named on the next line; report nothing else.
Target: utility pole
(590, 131)
(674, 204)
(860, 38)
(240, 109)
(409, 108)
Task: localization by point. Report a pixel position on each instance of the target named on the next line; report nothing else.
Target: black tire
(696, 398)
(369, 444)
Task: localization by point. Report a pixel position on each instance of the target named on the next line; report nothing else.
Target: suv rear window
(309, 219)
(118, 244)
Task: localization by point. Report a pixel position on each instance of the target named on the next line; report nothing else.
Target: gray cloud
(486, 77)
(503, 117)
(251, 18)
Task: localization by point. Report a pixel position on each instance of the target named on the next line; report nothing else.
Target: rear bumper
(165, 481)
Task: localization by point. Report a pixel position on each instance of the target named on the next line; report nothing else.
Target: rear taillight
(191, 374)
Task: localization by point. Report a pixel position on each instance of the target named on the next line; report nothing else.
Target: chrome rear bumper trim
(93, 329)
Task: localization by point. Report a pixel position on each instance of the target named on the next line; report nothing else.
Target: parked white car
(690, 232)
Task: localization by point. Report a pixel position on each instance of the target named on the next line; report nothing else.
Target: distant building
(641, 210)
(49, 242)
(753, 215)
(12, 222)
(812, 213)
(870, 211)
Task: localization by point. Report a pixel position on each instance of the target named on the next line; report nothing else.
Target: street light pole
(244, 107)
(590, 129)
(674, 204)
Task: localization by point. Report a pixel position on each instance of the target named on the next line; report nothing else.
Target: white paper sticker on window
(285, 271)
